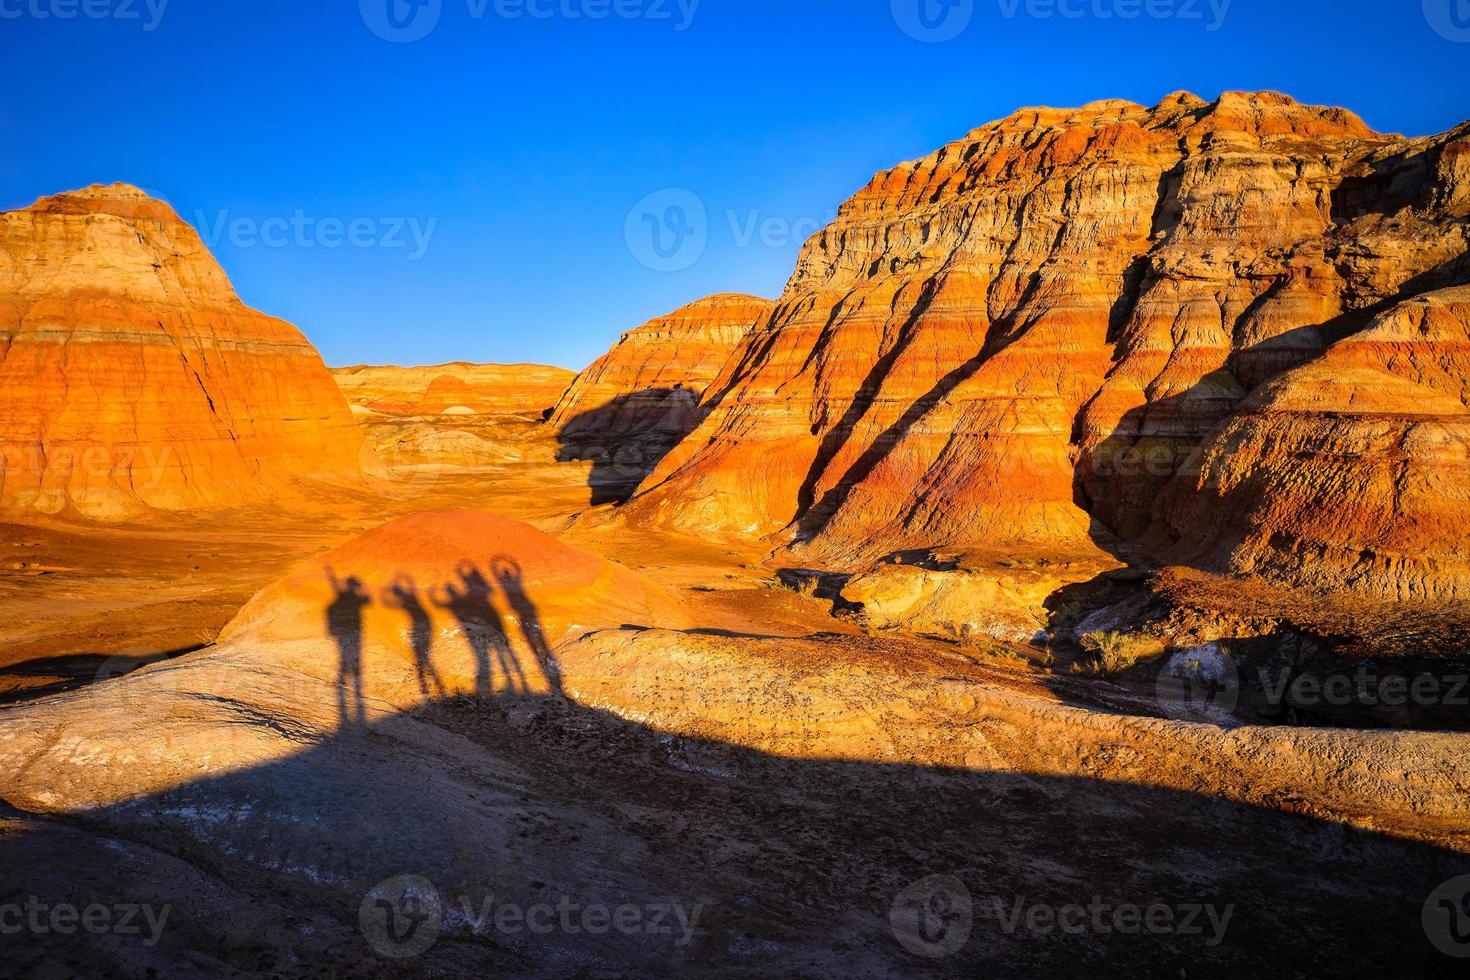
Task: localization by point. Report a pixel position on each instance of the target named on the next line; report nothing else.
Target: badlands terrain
(1068, 573)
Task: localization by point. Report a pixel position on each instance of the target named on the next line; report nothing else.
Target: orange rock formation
(635, 403)
(453, 389)
(1019, 340)
(132, 377)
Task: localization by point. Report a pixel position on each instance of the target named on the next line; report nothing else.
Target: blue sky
(467, 195)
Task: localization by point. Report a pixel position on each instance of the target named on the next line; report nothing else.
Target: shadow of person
(403, 593)
(482, 628)
(507, 573)
(344, 622)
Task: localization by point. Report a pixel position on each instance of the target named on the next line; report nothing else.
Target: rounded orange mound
(450, 602)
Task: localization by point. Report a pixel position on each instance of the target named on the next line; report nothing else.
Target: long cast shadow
(801, 866)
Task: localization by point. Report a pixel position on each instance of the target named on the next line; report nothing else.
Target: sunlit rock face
(1351, 472)
(1019, 340)
(657, 383)
(654, 378)
(452, 389)
(133, 378)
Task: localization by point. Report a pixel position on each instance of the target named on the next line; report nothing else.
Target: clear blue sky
(528, 140)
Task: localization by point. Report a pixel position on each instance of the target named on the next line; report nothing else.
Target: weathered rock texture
(635, 403)
(1020, 340)
(132, 377)
(453, 389)
(1351, 472)
(653, 379)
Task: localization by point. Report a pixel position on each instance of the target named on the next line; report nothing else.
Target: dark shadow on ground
(797, 865)
(71, 671)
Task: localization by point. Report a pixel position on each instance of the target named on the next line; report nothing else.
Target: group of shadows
(471, 602)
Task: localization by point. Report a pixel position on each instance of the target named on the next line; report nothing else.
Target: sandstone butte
(1118, 328)
(452, 389)
(653, 381)
(132, 377)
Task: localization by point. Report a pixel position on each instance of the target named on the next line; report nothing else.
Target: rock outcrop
(633, 404)
(453, 389)
(1019, 340)
(1350, 473)
(446, 602)
(133, 378)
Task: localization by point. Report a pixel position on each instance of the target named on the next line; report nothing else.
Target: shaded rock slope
(639, 399)
(132, 378)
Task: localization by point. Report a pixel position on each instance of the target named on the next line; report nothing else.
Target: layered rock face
(1018, 341)
(453, 389)
(635, 403)
(1351, 472)
(132, 377)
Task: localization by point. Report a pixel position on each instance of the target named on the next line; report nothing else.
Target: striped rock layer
(1031, 338)
(133, 379)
